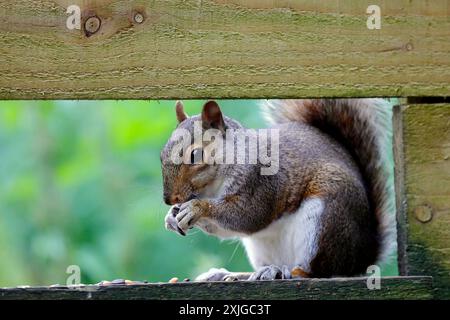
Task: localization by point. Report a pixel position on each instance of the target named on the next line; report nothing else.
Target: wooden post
(422, 154)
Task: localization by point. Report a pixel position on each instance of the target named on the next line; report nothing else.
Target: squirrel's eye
(197, 156)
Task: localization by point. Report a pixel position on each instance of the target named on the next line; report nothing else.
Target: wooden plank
(224, 49)
(422, 149)
(338, 288)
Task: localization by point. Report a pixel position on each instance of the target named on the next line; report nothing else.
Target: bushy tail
(363, 126)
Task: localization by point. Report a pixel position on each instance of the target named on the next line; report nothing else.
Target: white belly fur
(291, 240)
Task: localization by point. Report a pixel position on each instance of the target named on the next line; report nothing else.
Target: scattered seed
(118, 281)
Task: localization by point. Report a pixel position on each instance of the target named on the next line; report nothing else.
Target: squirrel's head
(188, 162)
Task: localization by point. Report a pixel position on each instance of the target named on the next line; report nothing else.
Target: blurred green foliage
(80, 184)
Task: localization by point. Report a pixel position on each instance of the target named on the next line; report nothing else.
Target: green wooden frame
(422, 162)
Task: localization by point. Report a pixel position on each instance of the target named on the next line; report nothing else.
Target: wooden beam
(339, 288)
(223, 49)
(422, 154)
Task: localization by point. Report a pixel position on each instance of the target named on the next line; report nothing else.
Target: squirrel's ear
(212, 116)
(179, 109)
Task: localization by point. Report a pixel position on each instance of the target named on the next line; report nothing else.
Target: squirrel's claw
(271, 272)
(188, 215)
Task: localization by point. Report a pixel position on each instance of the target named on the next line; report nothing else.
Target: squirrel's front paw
(189, 214)
(171, 221)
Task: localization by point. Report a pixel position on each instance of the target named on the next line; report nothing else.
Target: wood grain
(423, 190)
(224, 49)
(339, 288)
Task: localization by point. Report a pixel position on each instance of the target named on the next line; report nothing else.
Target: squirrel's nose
(173, 199)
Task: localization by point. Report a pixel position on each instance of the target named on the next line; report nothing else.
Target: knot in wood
(92, 25)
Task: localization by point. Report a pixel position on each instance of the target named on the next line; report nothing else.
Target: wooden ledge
(315, 289)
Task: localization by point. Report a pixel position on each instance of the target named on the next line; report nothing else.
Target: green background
(80, 184)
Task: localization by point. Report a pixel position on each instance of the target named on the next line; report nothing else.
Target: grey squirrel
(326, 212)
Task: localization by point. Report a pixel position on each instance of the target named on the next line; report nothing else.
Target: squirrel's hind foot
(271, 272)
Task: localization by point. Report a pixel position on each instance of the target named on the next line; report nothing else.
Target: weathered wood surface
(422, 152)
(343, 288)
(224, 49)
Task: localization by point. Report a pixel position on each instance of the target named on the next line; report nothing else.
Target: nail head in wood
(138, 17)
(423, 213)
(409, 46)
